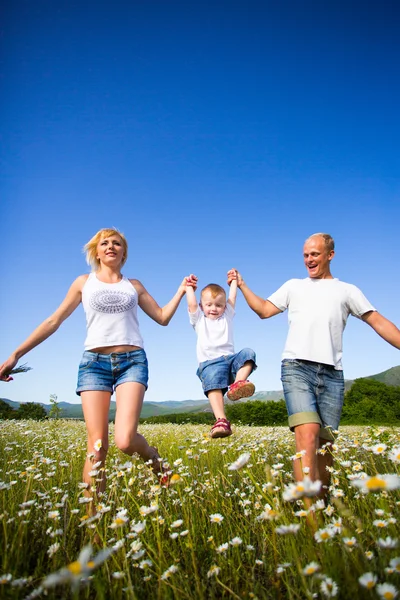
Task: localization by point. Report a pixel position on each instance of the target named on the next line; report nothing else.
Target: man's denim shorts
(104, 372)
(314, 393)
(219, 373)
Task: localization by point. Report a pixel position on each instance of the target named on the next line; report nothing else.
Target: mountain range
(74, 411)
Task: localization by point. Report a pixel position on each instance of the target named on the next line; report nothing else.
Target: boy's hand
(191, 281)
(234, 275)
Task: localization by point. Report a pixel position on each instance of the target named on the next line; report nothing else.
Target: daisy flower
(79, 569)
(368, 580)
(394, 454)
(387, 543)
(213, 572)
(170, 571)
(236, 541)
(377, 483)
(240, 462)
(177, 523)
(216, 518)
(311, 568)
(387, 591)
(329, 588)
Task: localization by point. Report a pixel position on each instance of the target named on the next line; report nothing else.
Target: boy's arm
(232, 293)
(190, 295)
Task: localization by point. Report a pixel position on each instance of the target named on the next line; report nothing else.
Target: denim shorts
(314, 393)
(104, 372)
(219, 373)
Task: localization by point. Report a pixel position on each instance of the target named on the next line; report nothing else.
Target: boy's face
(212, 306)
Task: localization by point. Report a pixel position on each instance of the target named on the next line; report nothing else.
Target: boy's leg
(221, 427)
(243, 363)
(244, 371)
(216, 400)
(214, 376)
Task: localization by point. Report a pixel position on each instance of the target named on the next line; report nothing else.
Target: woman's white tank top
(111, 313)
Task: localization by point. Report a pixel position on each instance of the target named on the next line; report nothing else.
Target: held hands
(191, 281)
(234, 275)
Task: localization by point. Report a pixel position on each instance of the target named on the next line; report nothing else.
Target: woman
(114, 358)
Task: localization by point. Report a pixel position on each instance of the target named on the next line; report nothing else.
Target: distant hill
(150, 409)
(389, 377)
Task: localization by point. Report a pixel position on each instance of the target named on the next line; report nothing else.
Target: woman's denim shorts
(219, 373)
(104, 372)
(314, 393)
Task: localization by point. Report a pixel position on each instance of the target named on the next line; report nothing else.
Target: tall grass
(213, 533)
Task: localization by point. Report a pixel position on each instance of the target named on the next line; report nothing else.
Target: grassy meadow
(231, 524)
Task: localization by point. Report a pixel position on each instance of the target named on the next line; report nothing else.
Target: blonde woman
(114, 358)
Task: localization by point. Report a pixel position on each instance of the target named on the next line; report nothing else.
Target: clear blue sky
(214, 135)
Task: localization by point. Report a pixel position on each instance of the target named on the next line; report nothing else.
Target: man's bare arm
(263, 308)
(383, 327)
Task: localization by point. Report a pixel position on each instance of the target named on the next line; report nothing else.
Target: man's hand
(233, 274)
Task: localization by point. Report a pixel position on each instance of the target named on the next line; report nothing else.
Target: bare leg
(216, 400)
(307, 439)
(95, 406)
(129, 404)
(244, 371)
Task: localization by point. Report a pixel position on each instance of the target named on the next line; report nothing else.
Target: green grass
(41, 466)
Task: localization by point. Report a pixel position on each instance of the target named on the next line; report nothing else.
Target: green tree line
(368, 402)
(27, 410)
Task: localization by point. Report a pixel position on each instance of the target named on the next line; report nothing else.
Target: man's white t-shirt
(214, 336)
(318, 312)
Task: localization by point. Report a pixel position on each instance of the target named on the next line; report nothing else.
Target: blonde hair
(214, 288)
(91, 247)
(328, 239)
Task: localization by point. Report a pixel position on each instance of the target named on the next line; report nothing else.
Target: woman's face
(110, 250)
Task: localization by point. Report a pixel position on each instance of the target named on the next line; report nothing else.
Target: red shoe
(240, 389)
(222, 424)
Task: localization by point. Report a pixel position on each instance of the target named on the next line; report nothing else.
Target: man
(312, 375)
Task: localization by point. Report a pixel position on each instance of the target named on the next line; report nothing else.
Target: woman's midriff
(115, 349)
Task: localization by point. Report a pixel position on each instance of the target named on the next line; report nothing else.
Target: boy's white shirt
(318, 312)
(214, 336)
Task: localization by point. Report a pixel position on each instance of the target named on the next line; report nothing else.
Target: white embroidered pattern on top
(111, 302)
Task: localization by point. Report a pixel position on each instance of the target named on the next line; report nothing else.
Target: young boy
(220, 369)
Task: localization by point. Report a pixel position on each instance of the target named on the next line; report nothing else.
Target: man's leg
(307, 442)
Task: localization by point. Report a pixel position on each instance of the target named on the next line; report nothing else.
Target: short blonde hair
(91, 247)
(328, 239)
(214, 288)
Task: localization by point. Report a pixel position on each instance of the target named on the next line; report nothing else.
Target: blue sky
(214, 135)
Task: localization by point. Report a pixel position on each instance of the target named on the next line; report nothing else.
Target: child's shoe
(240, 389)
(221, 429)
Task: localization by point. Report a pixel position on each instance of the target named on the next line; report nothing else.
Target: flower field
(231, 524)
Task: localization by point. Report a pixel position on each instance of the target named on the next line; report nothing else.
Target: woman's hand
(6, 368)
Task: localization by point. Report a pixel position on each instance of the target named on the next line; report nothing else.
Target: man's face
(317, 258)
(212, 306)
